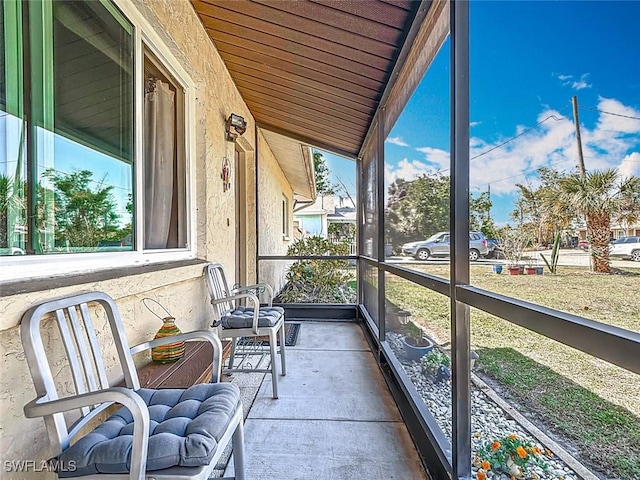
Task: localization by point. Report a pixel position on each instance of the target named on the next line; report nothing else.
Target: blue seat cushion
(185, 427)
(242, 317)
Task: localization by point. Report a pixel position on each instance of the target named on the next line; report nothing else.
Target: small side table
(193, 368)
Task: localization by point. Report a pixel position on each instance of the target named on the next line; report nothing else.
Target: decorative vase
(497, 268)
(171, 352)
(415, 353)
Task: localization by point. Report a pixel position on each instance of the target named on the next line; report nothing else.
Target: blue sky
(528, 58)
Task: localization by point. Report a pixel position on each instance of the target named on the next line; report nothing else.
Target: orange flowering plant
(511, 455)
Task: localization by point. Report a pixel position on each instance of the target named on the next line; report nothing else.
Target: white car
(626, 247)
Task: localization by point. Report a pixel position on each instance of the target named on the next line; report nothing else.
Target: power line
(519, 135)
(513, 138)
(610, 113)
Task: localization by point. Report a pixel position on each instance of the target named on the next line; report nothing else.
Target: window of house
(285, 217)
(95, 159)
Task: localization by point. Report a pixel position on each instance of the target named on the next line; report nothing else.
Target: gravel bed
(488, 420)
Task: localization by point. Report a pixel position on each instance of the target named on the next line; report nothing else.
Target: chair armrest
(255, 286)
(41, 407)
(238, 296)
(211, 337)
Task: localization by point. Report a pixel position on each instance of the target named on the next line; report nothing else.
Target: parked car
(583, 245)
(438, 245)
(626, 247)
(12, 251)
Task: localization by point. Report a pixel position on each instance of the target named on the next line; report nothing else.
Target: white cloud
(630, 165)
(570, 81)
(582, 83)
(614, 142)
(437, 159)
(475, 124)
(397, 141)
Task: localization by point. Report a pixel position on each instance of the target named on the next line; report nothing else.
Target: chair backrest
(78, 335)
(218, 288)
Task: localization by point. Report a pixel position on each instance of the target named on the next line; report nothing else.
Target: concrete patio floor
(335, 418)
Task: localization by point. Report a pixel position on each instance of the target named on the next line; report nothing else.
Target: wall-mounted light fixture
(237, 124)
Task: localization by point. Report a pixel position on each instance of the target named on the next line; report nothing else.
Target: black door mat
(291, 331)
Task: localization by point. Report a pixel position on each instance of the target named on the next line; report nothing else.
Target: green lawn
(592, 403)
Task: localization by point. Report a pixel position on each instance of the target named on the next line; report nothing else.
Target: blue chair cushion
(242, 317)
(185, 427)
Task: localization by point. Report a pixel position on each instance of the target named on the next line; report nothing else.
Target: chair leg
(283, 361)
(232, 352)
(274, 365)
(238, 451)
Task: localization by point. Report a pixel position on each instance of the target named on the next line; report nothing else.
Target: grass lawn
(593, 404)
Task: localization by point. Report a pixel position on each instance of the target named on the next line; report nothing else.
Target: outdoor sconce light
(238, 124)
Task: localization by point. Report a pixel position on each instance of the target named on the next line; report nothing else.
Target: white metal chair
(157, 434)
(235, 321)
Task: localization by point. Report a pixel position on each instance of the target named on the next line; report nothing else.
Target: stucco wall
(272, 187)
(181, 290)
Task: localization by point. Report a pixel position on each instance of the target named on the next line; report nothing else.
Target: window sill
(285, 238)
(62, 280)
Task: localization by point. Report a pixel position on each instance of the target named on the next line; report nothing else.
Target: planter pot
(497, 268)
(539, 270)
(415, 353)
(530, 270)
(514, 270)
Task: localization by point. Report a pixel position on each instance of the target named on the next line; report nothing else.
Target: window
(93, 160)
(285, 217)
(164, 165)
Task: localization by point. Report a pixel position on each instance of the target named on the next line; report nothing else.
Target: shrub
(432, 360)
(318, 281)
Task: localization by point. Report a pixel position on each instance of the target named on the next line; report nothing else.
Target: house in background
(316, 218)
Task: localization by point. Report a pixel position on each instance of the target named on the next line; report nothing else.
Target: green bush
(432, 360)
(318, 281)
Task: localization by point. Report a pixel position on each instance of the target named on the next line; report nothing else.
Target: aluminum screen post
(459, 221)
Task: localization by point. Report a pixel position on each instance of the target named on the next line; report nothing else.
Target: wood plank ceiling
(314, 70)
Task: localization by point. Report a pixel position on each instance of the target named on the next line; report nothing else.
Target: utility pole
(576, 120)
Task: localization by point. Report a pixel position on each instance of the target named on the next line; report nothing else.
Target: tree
(324, 186)
(84, 215)
(602, 197)
(12, 209)
(419, 208)
(536, 209)
(480, 215)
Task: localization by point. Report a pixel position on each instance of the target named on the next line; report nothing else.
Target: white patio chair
(235, 321)
(157, 434)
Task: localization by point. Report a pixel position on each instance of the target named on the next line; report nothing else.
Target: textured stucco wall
(272, 187)
(181, 290)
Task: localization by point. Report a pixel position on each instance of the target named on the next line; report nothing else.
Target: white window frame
(26, 267)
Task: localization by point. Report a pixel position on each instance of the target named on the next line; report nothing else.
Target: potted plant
(497, 268)
(415, 343)
(511, 455)
(530, 270)
(513, 242)
(433, 360)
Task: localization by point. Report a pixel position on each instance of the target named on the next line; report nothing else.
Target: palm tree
(602, 197)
